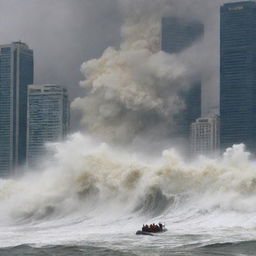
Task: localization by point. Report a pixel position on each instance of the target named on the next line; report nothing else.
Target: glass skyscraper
(16, 72)
(205, 135)
(238, 74)
(177, 35)
(48, 119)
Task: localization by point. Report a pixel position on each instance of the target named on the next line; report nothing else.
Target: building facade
(238, 74)
(205, 135)
(177, 35)
(47, 120)
(16, 72)
(191, 111)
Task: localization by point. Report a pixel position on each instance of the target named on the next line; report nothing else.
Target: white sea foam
(88, 176)
(91, 186)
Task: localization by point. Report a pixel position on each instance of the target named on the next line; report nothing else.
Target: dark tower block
(238, 74)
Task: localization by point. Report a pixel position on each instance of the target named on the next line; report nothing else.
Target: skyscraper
(192, 110)
(48, 118)
(177, 35)
(205, 135)
(238, 74)
(16, 72)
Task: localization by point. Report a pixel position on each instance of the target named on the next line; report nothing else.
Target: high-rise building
(237, 74)
(192, 110)
(48, 118)
(16, 72)
(177, 35)
(205, 135)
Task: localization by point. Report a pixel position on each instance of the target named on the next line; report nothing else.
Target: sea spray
(133, 91)
(88, 177)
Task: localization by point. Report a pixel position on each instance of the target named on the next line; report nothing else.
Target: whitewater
(92, 198)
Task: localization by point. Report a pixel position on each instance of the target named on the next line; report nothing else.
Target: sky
(63, 34)
(66, 33)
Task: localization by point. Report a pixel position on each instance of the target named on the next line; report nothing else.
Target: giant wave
(90, 178)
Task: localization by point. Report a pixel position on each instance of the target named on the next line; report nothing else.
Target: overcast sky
(62, 33)
(65, 33)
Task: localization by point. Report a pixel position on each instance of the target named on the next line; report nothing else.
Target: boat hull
(140, 232)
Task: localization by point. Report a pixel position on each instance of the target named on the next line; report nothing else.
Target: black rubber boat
(146, 233)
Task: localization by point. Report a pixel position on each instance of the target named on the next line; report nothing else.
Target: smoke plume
(133, 90)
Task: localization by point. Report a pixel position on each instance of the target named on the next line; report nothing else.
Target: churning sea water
(91, 199)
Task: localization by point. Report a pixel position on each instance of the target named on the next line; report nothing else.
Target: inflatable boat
(149, 233)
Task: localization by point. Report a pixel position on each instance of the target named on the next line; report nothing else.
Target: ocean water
(90, 199)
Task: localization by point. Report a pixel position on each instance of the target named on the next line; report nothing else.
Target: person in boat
(158, 228)
(152, 228)
(147, 228)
